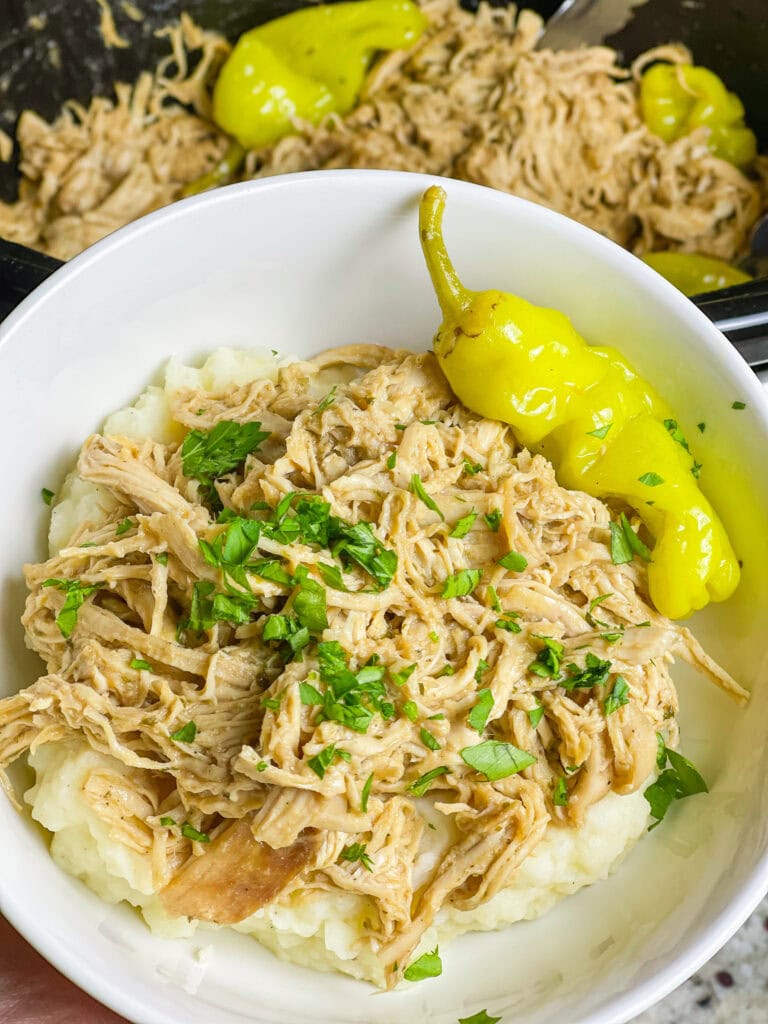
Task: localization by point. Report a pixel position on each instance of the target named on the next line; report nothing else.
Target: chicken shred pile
(131, 676)
(472, 100)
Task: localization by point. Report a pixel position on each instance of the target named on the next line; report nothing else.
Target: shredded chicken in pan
(471, 100)
(306, 772)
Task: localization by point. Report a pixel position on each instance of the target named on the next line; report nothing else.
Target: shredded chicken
(472, 99)
(220, 730)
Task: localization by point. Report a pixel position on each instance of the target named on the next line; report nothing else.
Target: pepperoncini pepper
(676, 98)
(605, 429)
(306, 65)
(693, 274)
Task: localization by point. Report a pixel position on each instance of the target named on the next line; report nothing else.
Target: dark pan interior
(40, 68)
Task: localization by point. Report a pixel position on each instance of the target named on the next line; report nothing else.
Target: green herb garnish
(76, 593)
(321, 762)
(167, 822)
(676, 432)
(496, 760)
(493, 520)
(47, 495)
(600, 432)
(478, 716)
(366, 794)
(560, 793)
(429, 740)
(535, 715)
(209, 454)
(625, 543)
(547, 662)
(329, 399)
(482, 1017)
(472, 468)
(513, 561)
(422, 784)
(126, 525)
(356, 852)
(392, 460)
(675, 783)
(428, 965)
(190, 832)
(185, 734)
(651, 479)
(739, 405)
(493, 597)
(417, 488)
(618, 696)
(401, 677)
(461, 583)
(464, 525)
(411, 710)
(139, 664)
(594, 673)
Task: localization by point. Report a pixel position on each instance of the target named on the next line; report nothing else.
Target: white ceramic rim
(621, 1009)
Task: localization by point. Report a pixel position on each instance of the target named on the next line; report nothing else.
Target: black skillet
(42, 67)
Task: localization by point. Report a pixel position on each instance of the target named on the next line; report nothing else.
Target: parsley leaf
(321, 762)
(625, 543)
(356, 852)
(461, 583)
(482, 1017)
(596, 623)
(401, 678)
(411, 710)
(366, 794)
(185, 734)
(482, 668)
(464, 525)
(76, 593)
(358, 543)
(739, 405)
(507, 622)
(651, 479)
(493, 597)
(513, 561)
(472, 468)
(702, 427)
(478, 716)
(429, 740)
(162, 558)
(422, 784)
(126, 525)
(417, 488)
(428, 965)
(676, 432)
(535, 715)
(309, 695)
(675, 783)
(392, 459)
(560, 793)
(493, 520)
(190, 832)
(496, 760)
(547, 662)
(600, 432)
(595, 673)
(618, 696)
(47, 495)
(351, 698)
(139, 663)
(167, 822)
(209, 454)
(208, 608)
(329, 399)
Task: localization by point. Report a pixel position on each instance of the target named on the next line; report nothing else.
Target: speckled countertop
(731, 989)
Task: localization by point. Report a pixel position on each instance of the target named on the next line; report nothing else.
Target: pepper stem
(451, 293)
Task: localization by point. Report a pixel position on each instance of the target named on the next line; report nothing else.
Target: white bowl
(306, 261)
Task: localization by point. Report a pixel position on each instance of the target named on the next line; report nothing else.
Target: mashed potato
(320, 931)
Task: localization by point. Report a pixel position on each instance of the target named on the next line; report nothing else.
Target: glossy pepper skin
(693, 274)
(527, 366)
(676, 98)
(306, 65)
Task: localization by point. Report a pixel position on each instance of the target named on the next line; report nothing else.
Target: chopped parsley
(349, 698)
(207, 455)
(76, 593)
(560, 793)
(472, 468)
(507, 622)
(356, 852)
(493, 597)
(329, 399)
(493, 520)
(162, 558)
(262, 766)
(422, 784)
(513, 561)
(464, 525)
(651, 479)
(140, 663)
(594, 673)
(428, 965)
(392, 460)
(208, 608)
(167, 822)
(417, 488)
(478, 716)
(185, 734)
(321, 762)
(496, 760)
(596, 623)
(535, 716)
(482, 668)
(481, 1017)
(677, 434)
(676, 782)
(702, 427)
(190, 832)
(366, 794)
(461, 583)
(126, 525)
(331, 575)
(600, 432)
(429, 740)
(625, 543)
(411, 710)
(401, 678)
(618, 697)
(739, 405)
(271, 703)
(446, 670)
(47, 495)
(696, 469)
(547, 662)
